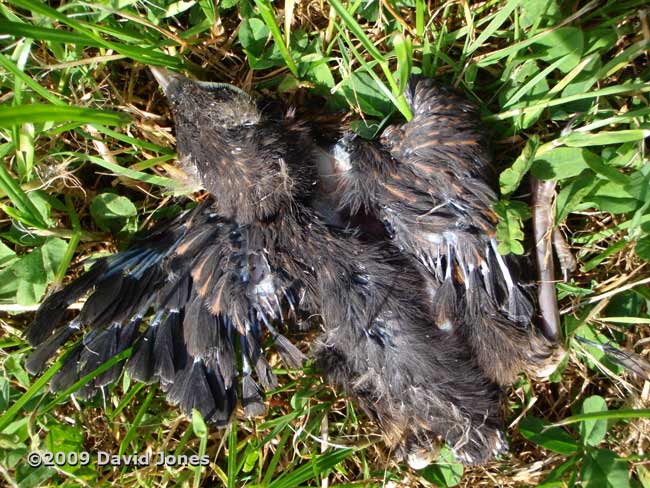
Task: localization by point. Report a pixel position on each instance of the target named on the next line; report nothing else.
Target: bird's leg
(543, 222)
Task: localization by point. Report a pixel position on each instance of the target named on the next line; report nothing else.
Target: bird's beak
(164, 77)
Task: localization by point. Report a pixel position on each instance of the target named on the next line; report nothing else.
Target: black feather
(252, 399)
(69, 372)
(291, 355)
(125, 337)
(197, 393)
(176, 294)
(136, 294)
(101, 347)
(520, 307)
(46, 350)
(225, 398)
(264, 373)
(225, 353)
(101, 305)
(52, 310)
(163, 351)
(199, 327)
(128, 333)
(191, 389)
(141, 363)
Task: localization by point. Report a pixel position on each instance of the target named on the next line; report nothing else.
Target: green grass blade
(6, 63)
(607, 415)
(581, 139)
(396, 92)
(19, 29)
(318, 465)
(232, 455)
(399, 101)
(130, 434)
(499, 18)
(356, 29)
(133, 391)
(404, 53)
(622, 118)
(498, 55)
(279, 449)
(39, 113)
(532, 83)
(26, 209)
(136, 175)
(201, 431)
(612, 90)
(144, 55)
(419, 17)
(72, 243)
(37, 386)
(132, 140)
(626, 320)
(266, 11)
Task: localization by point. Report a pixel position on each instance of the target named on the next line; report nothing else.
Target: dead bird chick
(253, 256)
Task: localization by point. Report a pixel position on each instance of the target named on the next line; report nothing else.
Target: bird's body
(260, 253)
(429, 182)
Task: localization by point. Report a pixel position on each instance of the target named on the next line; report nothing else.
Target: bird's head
(251, 162)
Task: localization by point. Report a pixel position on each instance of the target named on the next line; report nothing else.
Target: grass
(87, 149)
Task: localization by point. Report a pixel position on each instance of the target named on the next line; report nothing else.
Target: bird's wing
(192, 298)
(445, 127)
(446, 220)
(428, 181)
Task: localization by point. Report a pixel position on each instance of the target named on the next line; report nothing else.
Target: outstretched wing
(192, 298)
